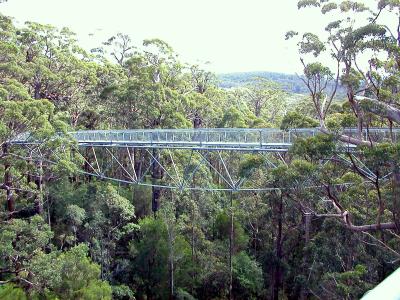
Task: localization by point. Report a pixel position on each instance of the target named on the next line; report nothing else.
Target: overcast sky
(234, 35)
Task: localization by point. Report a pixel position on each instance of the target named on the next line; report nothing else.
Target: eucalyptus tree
(356, 42)
(25, 167)
(266, 99)
(30, 272)
(13, 68)
(201, 79)
(121, 48)
(356, 34)
(162, 62)
(58, 69)
(20, 114)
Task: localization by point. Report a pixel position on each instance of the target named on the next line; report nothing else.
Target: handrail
(213, 138)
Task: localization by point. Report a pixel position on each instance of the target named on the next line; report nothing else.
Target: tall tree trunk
(39, 185)
(37, 88)
(8, 182)
(277, 271)
(307, 229)
(231, 240)
(255, 232)
(257, 108)
(193, 247)
(139, 160)
(156, 175)
(396, 197)
(171, 269)
(86, 166)
(197, 121)
(356, 108)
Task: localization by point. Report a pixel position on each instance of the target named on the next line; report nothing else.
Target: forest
(290, 83)
(329, 228)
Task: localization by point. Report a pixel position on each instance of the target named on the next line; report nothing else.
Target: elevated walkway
(237, 139)
(206, 159)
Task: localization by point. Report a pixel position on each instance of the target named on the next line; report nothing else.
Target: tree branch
(345, 216)
(379, 108)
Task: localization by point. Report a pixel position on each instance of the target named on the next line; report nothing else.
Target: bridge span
(209, 159)
(222, 139)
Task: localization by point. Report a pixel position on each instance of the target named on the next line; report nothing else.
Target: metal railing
(217, 138)
(268, 139)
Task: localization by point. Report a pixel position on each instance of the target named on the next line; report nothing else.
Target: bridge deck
(220, 138)
(239, 139)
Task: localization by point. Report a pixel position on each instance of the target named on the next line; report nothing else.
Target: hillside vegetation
(290, 83)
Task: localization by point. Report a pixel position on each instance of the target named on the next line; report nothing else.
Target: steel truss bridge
(197, 159)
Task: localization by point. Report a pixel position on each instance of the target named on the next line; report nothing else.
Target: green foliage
(316, 69)
(233, 118)
(289, 83)
(12, 292)
(20, 239)
(388, 3)
(121, 292)
(75, 214)
(314, 148)
(311, 44)
(27, 116)
(306, 3)
(150, 255)
(118, 206)
(289, 177)
(249, 164)
(248, 276)
(329, 7)
(338, 121)
(69, 275)
(333, 25)
(349, 284)
(352, 79)
(290, 34)
(222, 229)
(296, 120)
(183, 295)
(382, 156)
(346, 6)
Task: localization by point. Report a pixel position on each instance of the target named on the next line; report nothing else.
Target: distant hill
(289, 82)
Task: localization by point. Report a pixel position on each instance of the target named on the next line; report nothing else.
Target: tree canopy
(327, 228)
